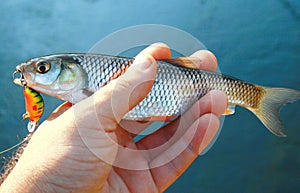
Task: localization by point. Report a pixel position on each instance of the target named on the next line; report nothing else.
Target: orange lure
(34, 107)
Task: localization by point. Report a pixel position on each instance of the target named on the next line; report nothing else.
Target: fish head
(54, 75)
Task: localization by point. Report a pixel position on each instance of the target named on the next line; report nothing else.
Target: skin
(71, 153)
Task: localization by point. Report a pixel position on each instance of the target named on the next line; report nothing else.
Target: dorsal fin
(186, 62)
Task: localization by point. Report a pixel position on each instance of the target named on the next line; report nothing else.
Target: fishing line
(18, 144)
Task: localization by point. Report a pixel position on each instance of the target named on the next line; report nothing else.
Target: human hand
(87, 148)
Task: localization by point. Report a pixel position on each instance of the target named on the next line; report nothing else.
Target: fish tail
(270, 104)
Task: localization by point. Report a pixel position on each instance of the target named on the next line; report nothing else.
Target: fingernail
(142, 63)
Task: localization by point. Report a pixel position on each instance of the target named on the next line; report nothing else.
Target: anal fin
(230, 110)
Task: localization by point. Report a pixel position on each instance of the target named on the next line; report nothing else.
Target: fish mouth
(19, 80)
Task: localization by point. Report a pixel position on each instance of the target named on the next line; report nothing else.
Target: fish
(34, 105)
(178, 85)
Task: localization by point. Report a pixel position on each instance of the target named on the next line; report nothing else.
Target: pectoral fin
(157, 118)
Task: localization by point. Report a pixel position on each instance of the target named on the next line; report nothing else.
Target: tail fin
(271, 103)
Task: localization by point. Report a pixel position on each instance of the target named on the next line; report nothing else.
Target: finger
(208, 60)
(117, 98)
(202, 132)
(134, 127)
(205, 60)
(158, 51)
(148, 56)
(214, 102)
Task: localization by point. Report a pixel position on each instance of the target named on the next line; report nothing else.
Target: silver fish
(178, 85)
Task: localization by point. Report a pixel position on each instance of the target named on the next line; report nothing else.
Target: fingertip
(212, 57)
(143, 68)
(158, 51)
(143, 59)
(208, 60)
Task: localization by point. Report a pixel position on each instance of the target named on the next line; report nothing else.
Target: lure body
(34, 104)
(177, 86)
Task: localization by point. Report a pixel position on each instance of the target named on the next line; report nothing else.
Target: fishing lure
(34, 104)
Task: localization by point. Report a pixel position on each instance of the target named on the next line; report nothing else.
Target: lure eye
(42, 67)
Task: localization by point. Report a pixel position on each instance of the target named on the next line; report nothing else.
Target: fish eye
(42, 67)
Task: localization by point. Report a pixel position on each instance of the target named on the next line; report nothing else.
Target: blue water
(258, 41)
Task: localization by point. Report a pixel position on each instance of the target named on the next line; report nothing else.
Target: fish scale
(177, 86)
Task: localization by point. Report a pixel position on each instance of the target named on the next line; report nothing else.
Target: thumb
(117, 98)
